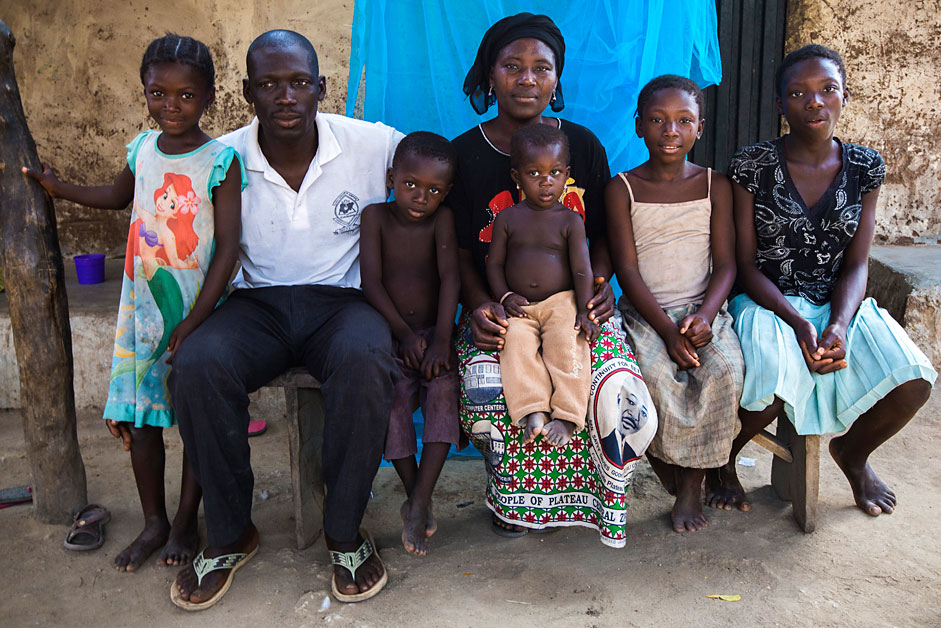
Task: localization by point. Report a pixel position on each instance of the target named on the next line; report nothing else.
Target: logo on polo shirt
(346, 213)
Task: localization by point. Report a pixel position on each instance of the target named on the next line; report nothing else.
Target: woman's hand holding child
(488, 324)
(602, 303)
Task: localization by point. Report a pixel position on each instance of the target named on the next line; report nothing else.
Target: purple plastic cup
(90, 268)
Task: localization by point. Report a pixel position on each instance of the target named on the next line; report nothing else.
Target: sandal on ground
(352, 561)
(88, 528)
(257, 428)
(203, 566)
(499, 530)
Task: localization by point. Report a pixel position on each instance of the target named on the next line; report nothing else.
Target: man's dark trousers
(250, 339)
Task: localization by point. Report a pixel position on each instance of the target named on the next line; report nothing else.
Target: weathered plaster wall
(894, 75)
(77, 64)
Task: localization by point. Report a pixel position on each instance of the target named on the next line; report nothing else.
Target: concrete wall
(893, 64)
(77, 65)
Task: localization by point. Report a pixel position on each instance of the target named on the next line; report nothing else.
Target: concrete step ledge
(906, 281)
(92, 314)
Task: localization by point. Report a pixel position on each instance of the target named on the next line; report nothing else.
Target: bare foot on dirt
(187, 582)
(533, 425)
(724, 491)
(559, 432)
(415, 534)
(687, 514)
(431, 524)
(181, 545)
(368, 574)
(152, 537)
(665, 472)
(512, 529)
(872, 495)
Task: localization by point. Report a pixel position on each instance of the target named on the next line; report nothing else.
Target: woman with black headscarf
(536, 486)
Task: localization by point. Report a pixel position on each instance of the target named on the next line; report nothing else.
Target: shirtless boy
(408, 261)
(539, 253)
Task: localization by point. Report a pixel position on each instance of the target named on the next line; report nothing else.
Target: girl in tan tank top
(671, 237)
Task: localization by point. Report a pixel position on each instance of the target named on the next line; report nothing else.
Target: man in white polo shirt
(296, 302)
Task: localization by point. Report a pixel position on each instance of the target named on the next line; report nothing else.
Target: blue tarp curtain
(408, 60)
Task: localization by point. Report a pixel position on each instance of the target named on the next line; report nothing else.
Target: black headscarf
(497, 37)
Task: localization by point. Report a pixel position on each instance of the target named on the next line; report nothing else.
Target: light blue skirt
(880, 356)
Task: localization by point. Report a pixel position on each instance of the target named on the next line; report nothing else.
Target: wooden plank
(805, 481)
(799, 481)
(771, 443)
(305, 435)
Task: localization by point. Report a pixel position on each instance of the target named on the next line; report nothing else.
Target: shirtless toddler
(539, 270)
(408, 262)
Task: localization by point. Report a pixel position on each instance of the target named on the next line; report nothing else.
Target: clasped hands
(825, 354)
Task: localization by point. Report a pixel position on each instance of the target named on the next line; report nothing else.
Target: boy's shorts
(439, 404)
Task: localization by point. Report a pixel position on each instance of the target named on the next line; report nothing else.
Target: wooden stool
(305, 413)
(795, 470)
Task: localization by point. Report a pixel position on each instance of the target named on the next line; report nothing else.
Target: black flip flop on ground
(88, 528)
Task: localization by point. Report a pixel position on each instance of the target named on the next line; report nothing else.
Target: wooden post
(39, 311)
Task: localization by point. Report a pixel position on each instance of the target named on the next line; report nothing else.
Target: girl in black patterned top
(805, 215)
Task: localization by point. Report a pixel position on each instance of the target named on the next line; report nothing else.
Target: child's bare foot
(188, 584)
(368, 574)
(415, 535)
(533, 425)
(431, 524)
(665, 472)
(687, 514)
(724, 491)
(181, 545)
(871, 494)
(559, 432)
(152, 537)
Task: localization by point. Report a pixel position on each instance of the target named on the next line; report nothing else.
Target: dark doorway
(741, 109)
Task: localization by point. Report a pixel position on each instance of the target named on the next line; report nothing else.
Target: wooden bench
(795, 470)
(305, 413)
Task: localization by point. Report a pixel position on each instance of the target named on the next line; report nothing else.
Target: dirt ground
(853, 571)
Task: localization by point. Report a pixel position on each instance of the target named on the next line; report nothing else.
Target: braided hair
(172, 48)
